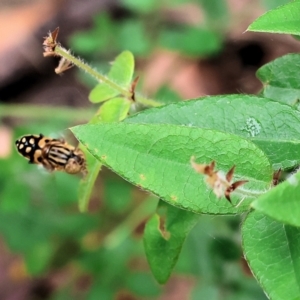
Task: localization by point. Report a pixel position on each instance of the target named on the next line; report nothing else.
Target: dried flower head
(50, 43)
(217, 180)
(63, 65)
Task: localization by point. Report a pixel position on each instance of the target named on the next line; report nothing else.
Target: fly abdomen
(59, 155)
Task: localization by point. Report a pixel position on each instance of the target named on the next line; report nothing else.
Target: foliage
(153, 150)
(146, 26)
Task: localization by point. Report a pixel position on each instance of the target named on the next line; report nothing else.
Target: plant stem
(99, 77)
(87, 183)
(147, 102)
(124, 229)
(45, 112)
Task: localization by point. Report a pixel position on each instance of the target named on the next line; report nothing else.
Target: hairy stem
(147, 102)
(99, 77)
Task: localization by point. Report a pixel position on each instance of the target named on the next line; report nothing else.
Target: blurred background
(183, 49)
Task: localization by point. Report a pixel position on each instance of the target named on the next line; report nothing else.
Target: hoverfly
(52, 154)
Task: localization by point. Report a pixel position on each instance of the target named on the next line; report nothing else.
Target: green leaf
(282, 202)
(157, 158)
(281, 79)
(122, 69)
(272, 126)
(120, 73)
(272, 250)
(114, 110)
(284, 19)
(190, 41)
(164, 236)
(102, 92)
